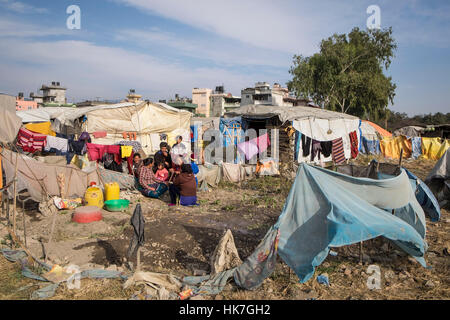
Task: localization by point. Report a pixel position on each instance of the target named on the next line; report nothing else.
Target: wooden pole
(15, 195)
(138, 267)
(401, 158)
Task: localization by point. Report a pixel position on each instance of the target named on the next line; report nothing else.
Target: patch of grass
(229, 208)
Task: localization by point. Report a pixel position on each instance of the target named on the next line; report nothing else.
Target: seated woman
(150, 186)
(185, 187)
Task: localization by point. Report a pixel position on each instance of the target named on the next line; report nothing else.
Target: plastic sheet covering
(327, 209)
(434, 148)
(391, 147)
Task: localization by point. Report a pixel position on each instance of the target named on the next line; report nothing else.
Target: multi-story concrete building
(182, 104)
(54, 93)
(25, 103)
(201, 97)
(222, 102)
(263, 94)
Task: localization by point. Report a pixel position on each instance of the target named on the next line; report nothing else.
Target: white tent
(318, 124)
(148, 120)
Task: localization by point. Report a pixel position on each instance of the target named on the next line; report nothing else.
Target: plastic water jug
(94, 196)
(112, 191)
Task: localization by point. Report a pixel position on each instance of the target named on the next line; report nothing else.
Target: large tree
(347, 75)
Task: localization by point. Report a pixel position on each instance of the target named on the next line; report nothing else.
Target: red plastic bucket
(87, 214)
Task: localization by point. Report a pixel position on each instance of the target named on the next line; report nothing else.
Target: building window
(247, 96)
(203, 105)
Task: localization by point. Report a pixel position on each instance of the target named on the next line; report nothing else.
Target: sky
(165, 47)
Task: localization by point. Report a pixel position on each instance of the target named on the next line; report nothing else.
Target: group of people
(154, 176)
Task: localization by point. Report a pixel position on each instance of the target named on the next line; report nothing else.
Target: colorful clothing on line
(298, 136)
(354, 144)
(96, 151)
(99, 134)
(316, 149)
(249, 148)
(370, 146)
(126, 151)
(31, 141)
(56, 143)
(135, 144)
(416, 147)
(326, 148)
(338, 151)
(306, 145)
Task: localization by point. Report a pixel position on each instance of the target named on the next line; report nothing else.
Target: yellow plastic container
(94, 197)
(112, 191)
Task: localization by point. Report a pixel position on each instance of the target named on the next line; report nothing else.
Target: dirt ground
(181, 241)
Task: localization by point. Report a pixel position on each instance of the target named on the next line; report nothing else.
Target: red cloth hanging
(354, 144)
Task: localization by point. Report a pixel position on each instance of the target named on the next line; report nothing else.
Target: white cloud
(283, 26)
(21, 7)
(89, 70)
(228, 53)
(13, 28)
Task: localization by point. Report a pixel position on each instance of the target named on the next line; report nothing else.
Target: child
(162, 173)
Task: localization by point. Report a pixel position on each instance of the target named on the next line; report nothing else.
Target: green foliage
(399, 120)
(347, 75)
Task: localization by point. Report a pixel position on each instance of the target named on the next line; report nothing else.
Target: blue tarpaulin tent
(328, 209)
(231, 129)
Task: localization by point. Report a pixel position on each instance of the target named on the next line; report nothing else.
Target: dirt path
(181, 241)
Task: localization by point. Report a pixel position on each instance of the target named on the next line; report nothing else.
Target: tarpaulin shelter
(232, 131)
(439, 178)
(147, 120)
(327, 209)
(315, 123)
(41, 179)
(10, 125)
(434, 148)
(409, 131)
(380, 130)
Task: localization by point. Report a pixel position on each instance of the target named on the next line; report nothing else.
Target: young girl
(162, 173)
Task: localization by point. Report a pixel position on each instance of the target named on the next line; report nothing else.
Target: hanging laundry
(416, 147)
(99, 134)
(56, 143)
(77, 147)
(316, 149)
(95, 151)
(298, 136)
(249, 148)
(370, 146)
(354, 144)
(126, 151)
(42, 128)
(31, 141)
(434, 148)
(326, 148)
(135, 144)
(391, 147)
(306, 145)
(338, 151)
(263, 142)
(85, 137)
